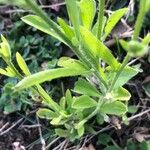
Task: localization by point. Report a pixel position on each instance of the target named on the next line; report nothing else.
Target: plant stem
(125, 61)
(139, 20)
(100, 17)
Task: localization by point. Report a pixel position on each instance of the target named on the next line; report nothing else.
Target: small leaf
(5, 48)
(81, 131)
(146, 39)
(62, 133)
(114, 108)
(111, 148)
(84, 87)
(132, 109)
(38, 23)
(104, 139)
(22, 64)
(3, 72)
(10, 72)
(62, 103)
(56, 121)
(97, 48)
(69, 99)
(87, 6)
(84, 102)
(46, 113)
(113, 20)
(66, 28)
(48, 75)
(121, 94)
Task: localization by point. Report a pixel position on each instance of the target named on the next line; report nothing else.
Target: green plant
(106, 96)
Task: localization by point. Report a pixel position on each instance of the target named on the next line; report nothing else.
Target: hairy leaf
(48, 75)
(83, 102)
(114, 108)
(84, 87)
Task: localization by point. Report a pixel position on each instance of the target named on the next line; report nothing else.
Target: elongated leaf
(10, 72)
(38, 23)
(121, 94)
(113, 20)
(146, 39)
(66, 28)
(22, 64)
(84, 87)
(46, 113)
(74, 16)
(5, 48)
(88, 10)
(67, 62)
(97, 48)
(114, 108)
(83, 102)
(48, 75)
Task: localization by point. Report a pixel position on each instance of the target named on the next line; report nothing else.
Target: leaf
(68, 97)
(97, 48)
(66, 28)
(62, 133)
(121, 94)
(22, 64)
(3, 72)
(62, 103)
(73, 12)
(67, 62)
(87, 6)
(38, 23)
(111, 148)
(114, 108)
(132, 109)
(46, 113)
(113, 20)
(104, 139)
(146, 39)
(48, 75)
(84, 102)
(125, 76)
(84, 87)
(10, 72)
(5, 48)
(81, 131)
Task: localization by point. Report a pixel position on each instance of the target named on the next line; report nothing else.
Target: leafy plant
(85, 37)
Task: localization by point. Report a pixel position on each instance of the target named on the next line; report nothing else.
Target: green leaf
(146, 39)
(113, 20)
(38, 23)
(46, 113)
(5, 48)
(3, 72)
(10, 72)
(97, 48)
(56, 121)
(121, 94)
(132, 109)
(48, 75)
(81, 131)
(113, 108)
(22, 64)
(125, 76)
(84, 87)
(67, 62)
(62, 133)
(104, 139)
(111, 148)
(88, 10)
(84, 102)
(66, 28)
(62, 103)
(69, 99)
(74, 15)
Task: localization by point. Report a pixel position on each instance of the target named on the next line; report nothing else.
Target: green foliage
(100, 90)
